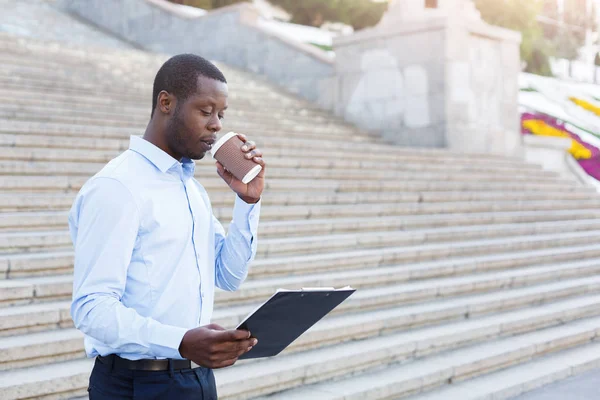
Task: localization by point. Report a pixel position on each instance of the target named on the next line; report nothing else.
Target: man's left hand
(251, 191)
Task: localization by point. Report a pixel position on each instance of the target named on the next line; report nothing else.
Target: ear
(166, 102)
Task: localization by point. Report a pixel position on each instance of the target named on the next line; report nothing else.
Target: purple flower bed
(590, 165)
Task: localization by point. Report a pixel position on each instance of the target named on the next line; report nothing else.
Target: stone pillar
(433, 77)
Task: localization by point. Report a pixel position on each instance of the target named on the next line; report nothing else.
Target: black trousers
(111, 383)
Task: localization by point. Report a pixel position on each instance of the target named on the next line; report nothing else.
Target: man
(149, 252)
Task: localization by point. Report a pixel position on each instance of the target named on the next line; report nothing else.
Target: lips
(207, 144)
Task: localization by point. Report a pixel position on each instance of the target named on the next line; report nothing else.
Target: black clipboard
(287, 315)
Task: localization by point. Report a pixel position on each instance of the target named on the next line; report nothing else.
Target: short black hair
(179, 76)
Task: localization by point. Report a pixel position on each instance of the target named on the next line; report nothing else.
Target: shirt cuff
(166, 340)
(243, 211)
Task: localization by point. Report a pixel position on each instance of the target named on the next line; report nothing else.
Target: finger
(254, 153)
(224, 174)
(260, 161)
(233, 335)
(249, 145)
(215, 327)
(242, 137)
(236, 349)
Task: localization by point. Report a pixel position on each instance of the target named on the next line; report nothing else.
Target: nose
(215, 125)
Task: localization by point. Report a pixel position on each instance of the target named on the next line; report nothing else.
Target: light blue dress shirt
(149, 253)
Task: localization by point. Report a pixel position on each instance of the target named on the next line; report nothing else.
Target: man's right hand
(212, 346)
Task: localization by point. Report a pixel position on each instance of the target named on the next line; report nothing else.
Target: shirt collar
(159, 158)
(156, 156)
(189, 167)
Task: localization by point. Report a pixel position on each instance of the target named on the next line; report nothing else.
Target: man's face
(193, 128)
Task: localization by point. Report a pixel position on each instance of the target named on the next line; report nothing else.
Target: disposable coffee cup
(228, 151)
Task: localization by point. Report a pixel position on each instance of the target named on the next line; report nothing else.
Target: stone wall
(432, 78)
(483, 67)
(230, 35)
(394, 83)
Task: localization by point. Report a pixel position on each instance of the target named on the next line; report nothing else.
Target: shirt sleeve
(104, 223)
(235, 251)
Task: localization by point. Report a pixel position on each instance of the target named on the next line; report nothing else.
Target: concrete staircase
(477, 276)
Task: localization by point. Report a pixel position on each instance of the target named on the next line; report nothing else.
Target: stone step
(18, 320)
(25, 242)
(74, 183)
(29, 221)
(241, 85)
(122, 68)
(86, 168)
(300, 133)
(238, 103)
(51, 219)
(13, 221)
(389, 351)
(58, 218)
(141, 115)
(36, 264)
(54, 346)
(239, 123)
(138, 90)
(291, 152)
(51, 381)
(40, 348)
(282, 152)
(25, 66)
(33, 148)
(45, 201)
(278, 128)
(95, 146)
(296, 265)
(283, 126)
(379, 287)
(397, 379)
(271, 247)
(514, 381)
(240, 96)
(25, 201)
(431, 298)
(36, 241)
(344, 328)
(300, 137)
(31, 290)
(406, 284)
(389, 209)
(63, 176)
(39, 317)
(547, 248)
(359, 224)
(61, 262)
(407, 196)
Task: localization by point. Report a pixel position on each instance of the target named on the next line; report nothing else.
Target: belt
(144, 364)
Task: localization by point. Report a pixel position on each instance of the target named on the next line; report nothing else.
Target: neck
(156, 134)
